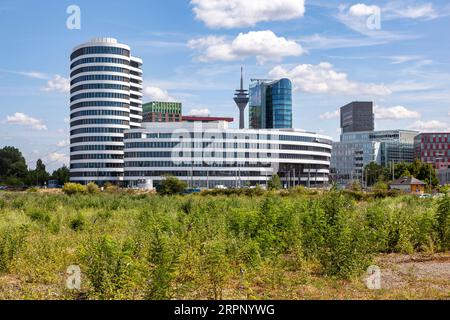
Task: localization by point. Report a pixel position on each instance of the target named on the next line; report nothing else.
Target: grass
(288, 245)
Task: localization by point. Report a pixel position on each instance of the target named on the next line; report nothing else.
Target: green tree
(62, 175)
(275, 183)
(39, 176)
(12, 164)
(171, 185)
(375, 173)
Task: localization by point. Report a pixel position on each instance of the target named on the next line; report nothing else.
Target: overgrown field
(269, 246)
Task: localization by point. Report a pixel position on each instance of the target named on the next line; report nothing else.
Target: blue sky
(335, 52)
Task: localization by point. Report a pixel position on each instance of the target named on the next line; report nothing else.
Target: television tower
(241, 98)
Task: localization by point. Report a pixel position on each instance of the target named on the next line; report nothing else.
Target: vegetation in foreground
(265, 245)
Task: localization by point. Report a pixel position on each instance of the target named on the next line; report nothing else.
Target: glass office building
(271, 104)
(356, 150)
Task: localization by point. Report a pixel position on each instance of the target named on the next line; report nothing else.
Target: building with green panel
(158, 111)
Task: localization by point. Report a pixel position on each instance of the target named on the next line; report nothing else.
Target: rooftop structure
(159, 111)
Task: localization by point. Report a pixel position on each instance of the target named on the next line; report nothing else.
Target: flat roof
(206, 119)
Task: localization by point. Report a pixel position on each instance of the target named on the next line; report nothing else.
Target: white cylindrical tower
(105, 100)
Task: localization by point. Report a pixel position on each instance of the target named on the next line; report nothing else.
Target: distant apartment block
(357, 117)
(158, 111)
(433, 148)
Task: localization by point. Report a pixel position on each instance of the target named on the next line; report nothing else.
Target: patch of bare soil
(417, 272)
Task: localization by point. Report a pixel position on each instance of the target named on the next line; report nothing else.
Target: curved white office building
(105, 100)
(206, 155)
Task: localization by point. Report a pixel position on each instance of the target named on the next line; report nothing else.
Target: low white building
(206, 155)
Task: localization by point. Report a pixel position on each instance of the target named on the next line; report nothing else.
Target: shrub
(74, 188)
(78, 223)
(109, 267)
(443, 222)
(92, 188)
(380, 186)
(38, 215)
(171, 186)
(162, 258)
(215, 267)
(110, 188)
(11, 241)
(32, 190)
(275, 183)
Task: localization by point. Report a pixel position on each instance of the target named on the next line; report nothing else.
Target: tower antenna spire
(241, 98)
(242, 78)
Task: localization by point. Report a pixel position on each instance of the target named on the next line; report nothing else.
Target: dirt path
(419, 274)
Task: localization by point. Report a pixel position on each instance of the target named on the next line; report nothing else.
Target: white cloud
(430, 126)
(363, 10)
(28, 74)
(204, 112)
(25, 120)
(59, 158)
(398, 10)
(265, 45)
(395, 113)
(157, 94)
(330, 115)
(57, 84)
(322, 78)
(63, 143)
(34, 75)
(241, 13)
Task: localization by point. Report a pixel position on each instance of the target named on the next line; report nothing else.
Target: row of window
(96, 139)
(92, 104)
(95, 165)
(100, 121)
(94, 95)
(99, 77)
(96, 157)
(304, 157)
(248, 155)
(137, 113)
(257, 173)
(99, 69)
(96, 130)
(94, 86)
(99, 113)
(99, 50)
(99, 60)
(96, 174)
(137, 74)
(96, 148)
(168, 164)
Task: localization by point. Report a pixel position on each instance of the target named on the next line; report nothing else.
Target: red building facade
(433, 148)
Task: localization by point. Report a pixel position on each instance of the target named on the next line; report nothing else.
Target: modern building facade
(356, 150)
(357, 117)
(105, 100)
(159, 111)
(271, 104)
(206, 155)
(433, 148)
